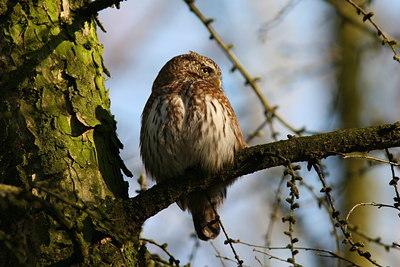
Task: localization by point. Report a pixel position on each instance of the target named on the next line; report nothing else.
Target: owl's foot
(207, 228)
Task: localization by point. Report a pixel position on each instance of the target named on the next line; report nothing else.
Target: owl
(188, 123)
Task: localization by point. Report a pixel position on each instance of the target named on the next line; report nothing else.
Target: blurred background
(319, 64)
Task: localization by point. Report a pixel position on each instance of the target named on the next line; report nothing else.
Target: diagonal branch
(269, 111)
(385, 38)
(295, 149)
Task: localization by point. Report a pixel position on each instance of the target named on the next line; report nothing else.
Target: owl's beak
(218, 82)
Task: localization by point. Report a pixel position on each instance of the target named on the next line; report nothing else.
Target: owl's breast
(161, 137)
(182, 132)
(209, 133)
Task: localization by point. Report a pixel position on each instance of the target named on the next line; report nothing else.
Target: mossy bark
(58, 138)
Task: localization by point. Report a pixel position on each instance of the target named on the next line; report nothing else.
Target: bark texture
(56, 132)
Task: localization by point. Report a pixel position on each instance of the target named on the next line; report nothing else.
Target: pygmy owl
(189, 123)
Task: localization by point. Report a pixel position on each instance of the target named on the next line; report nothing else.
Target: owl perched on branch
(189, 123)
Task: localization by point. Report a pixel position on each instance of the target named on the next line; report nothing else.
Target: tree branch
(295, 149)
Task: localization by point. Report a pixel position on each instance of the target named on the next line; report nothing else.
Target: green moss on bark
(56, 130)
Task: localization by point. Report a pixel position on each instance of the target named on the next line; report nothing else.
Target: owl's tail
(206, 223)
(203, 206)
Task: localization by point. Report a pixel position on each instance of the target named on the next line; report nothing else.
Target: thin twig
(331, 253)
(374, 204)
(395, 179)
(228, 239)
(266, 26)
(337, 255)
(257, 131)
(274, 212)
(385, 39)
(163, 247)
(376, 240)
(252, 82)
(276, 258)
(195, 248)
(258, 260)
(348, 18)
(218, 254)
(367, 157)
(293, 196)
(340, 222)
(322, 203)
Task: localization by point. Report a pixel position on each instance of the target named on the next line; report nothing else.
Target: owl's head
(188, 68)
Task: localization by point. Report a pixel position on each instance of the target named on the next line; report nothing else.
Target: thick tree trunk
(57, 136)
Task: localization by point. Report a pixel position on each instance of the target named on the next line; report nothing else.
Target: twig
(376, 240)
(257, 131)
(195, 248)
(294, 195)
(340, 222)
(252, 82)
(266, 26)
(258, 260)
(229, 259)
(276, 258)
(228, 239)
(218, 254)
(322, 203)
(367, 157)
(395, 179)
(163, 247)
(274, 212)
(331, 253)
(348, 18)
(385, 39)
(379, 205)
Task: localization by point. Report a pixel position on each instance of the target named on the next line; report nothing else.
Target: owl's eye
(206, 70)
